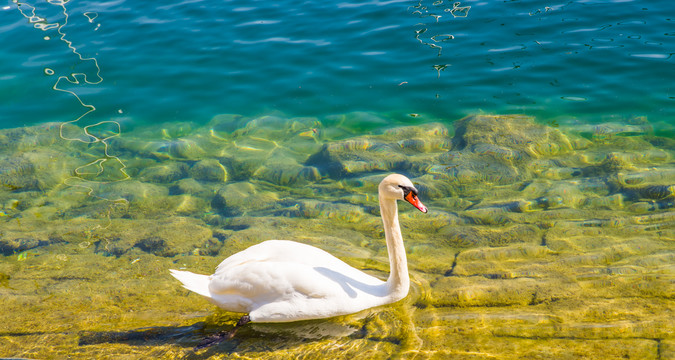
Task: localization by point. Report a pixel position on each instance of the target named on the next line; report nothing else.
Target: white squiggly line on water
(42, 24)
(422, 10)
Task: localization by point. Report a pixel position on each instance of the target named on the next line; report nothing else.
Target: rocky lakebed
(543, 240)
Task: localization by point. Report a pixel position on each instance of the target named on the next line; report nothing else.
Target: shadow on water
(186, 336)
(251, 337)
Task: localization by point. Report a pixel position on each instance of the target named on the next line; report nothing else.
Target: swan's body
(281, 281)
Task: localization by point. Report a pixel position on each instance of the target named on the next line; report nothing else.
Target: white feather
(193, 282)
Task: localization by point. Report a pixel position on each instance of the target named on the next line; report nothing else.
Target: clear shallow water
(550, 237)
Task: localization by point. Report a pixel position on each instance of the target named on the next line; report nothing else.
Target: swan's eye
(407, 190)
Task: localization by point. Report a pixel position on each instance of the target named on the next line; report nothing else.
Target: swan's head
(399, 187)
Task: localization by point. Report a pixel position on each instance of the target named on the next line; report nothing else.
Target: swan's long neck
(399, 281)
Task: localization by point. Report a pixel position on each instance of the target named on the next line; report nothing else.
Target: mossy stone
(209, 170)
(165, 173)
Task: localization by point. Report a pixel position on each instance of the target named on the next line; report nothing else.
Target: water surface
(139, 138)
(191, 60)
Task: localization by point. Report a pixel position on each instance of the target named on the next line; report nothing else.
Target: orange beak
(415, 201)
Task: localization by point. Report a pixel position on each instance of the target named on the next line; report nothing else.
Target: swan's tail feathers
(193, 282)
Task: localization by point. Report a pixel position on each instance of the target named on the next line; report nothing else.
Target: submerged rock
(163, 237)
(436, 131)
(406, 149)
(31, 233)
(176, 130)
(18, 174)
(95, 208)
(226, 123)
(475, 236)
(241, 165)
(459, 291)
(11, 246)
(242, 197)
(187, 149)
(191, 205)
(636, 126)
(287, 174)
(29, 138)
(209, 170)
(498, 149)
(165, 173)
(36, 169)
(134, 190)
(351, 157)
(189, 186)
(516, 134)
(298, 136)
(647, 177)
(320, 209)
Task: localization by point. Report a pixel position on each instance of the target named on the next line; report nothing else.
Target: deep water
(139, 137)
(188, 61)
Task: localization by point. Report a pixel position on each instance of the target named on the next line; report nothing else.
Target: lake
(137, 138)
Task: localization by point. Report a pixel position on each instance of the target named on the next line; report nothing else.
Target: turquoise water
(188, 61)
(137, 138)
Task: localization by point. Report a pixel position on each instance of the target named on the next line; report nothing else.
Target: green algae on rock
(165, 173)
(209, 170)
(544, 241)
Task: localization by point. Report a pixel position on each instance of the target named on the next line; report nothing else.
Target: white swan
(282, 281)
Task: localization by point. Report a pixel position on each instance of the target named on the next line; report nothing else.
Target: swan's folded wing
(269, 281)
(279, 250)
